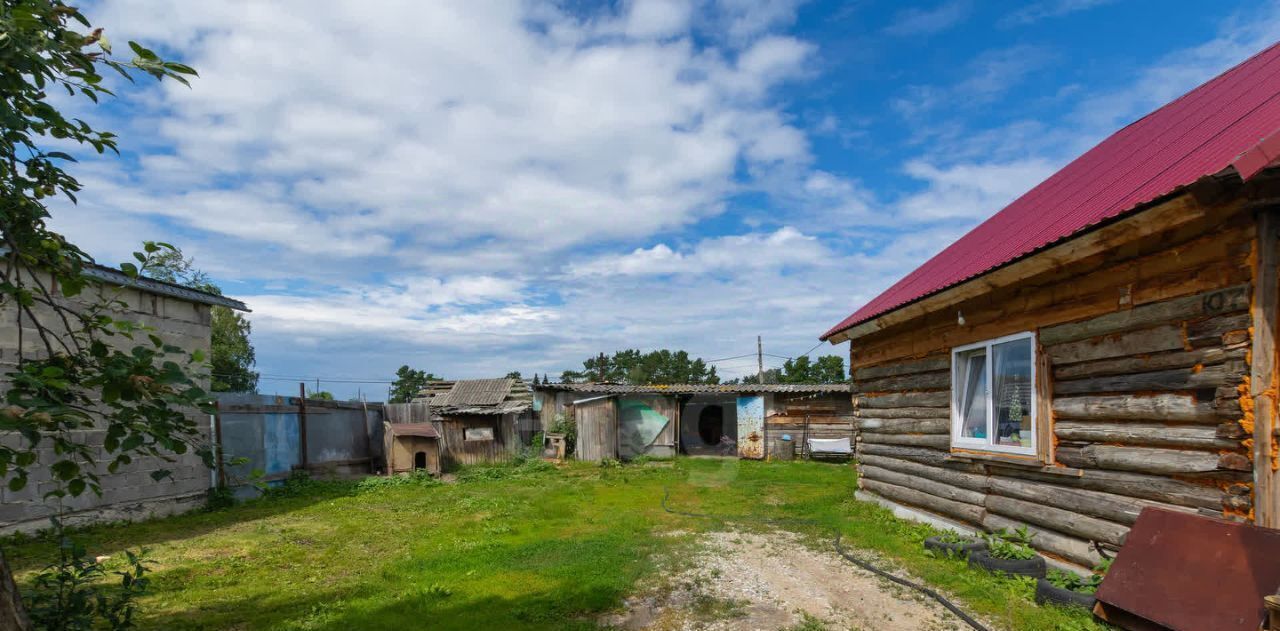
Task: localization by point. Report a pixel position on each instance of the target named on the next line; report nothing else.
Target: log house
(1103, 344)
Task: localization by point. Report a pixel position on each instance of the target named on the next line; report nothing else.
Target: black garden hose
(836, 542)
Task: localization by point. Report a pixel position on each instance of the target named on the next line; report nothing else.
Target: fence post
(217, 437)
(302, 422)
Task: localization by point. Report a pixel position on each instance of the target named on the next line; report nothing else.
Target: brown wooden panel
(597, 429)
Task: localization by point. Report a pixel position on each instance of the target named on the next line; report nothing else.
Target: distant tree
(515, 374)
(320, 395)
(409, 383)
(231, 354)
(827, 369)
(633, 367)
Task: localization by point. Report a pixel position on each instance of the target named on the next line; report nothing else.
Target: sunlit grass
(504, 549)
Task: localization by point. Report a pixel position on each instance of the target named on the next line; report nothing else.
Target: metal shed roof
(1218, 125)
(694, 388)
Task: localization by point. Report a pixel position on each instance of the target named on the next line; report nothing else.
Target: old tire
(954, 549)
(1048, 593)
(1035, 568)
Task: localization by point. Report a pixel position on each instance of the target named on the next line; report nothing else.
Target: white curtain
(973, 406)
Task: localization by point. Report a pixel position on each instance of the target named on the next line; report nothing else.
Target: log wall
(1143, 355)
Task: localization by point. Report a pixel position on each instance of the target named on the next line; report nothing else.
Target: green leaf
(130, 269)
(76, 487)
(17, 483)
(65, 470)
(143, 52)
(160, 474)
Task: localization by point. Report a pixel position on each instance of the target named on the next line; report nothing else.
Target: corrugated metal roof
(1201, 133)
(477, 396)
(694, 388)
(476, 392)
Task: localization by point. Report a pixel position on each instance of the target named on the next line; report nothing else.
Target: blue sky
(473, 188)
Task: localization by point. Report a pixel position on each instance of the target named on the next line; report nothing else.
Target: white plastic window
(993, 398)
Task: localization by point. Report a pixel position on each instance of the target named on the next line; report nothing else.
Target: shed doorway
(420, 460)
(710, 426)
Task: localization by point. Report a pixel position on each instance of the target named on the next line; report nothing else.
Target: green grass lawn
(505, 548)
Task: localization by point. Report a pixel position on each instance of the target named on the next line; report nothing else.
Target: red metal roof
(1219, 124)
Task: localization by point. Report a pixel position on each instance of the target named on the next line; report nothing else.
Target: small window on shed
(993, 399)
(479, 433)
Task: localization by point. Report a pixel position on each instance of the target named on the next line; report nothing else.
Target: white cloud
(773, 251)
(986, 78)
(1046, 9)
(1174, 74)
(969, 191)
(916, 21)
(454, 121)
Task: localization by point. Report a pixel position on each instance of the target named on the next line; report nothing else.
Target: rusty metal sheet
(751, 427)
(1191, 573)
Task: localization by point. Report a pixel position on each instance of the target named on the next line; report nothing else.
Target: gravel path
(774, 581)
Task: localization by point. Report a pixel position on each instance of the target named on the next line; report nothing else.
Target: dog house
(414, 447)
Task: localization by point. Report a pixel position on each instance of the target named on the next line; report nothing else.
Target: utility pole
(600, 368)
(760, 359)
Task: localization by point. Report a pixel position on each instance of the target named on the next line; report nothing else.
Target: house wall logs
(1143, 350)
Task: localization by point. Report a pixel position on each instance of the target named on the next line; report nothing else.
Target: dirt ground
(775, 581)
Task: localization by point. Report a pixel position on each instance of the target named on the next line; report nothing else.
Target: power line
(712, 361)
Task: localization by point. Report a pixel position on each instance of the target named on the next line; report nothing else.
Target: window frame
(957, 422)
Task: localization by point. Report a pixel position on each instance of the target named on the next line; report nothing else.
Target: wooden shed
(625, 421)
(478, 419)
(1103, 344)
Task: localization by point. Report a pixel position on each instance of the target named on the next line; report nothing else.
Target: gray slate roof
(477, 396)
(694, 388)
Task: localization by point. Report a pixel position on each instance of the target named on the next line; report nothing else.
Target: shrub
(1015, 545)
(568, 427)
(219, 498)
(416, 478)
(69, 594)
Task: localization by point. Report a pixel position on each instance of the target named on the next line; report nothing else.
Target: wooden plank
(922, 484)
(1147, 434)
(1140, 459)
(932, 457)
(906, 399)
(1044, 406)
(926, 364)
(1175, 379)
(1136, 485)
(1153, 340)
(1262, 376)
(1066, 521)
(906, 425)
(959, 510)
(1199, 305)
(1109, 506)
(918, 381)
(937, 441)
(1149, 363)
(1176, 408)
(905, 412)
(965, 476)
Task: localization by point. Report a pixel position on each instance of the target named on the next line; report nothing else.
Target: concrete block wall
(130, 493)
